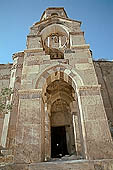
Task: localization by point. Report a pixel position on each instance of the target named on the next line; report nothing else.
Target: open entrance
(62, 137)
(58, 142)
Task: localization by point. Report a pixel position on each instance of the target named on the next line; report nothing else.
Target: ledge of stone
(77, 47)
(34, 50)
(89, 87)
(76, 33)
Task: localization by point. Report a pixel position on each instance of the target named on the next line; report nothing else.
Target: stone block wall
(5, 73)
(104, 72)
(56, 50)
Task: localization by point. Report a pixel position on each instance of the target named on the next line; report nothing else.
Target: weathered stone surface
(56, 86)
(63, 165)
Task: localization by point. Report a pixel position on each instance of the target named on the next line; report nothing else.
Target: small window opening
(56, 54)
(58, 142)
(54, 14)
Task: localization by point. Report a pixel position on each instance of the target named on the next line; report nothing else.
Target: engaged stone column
(47, 133)
(77, 135)
(30, 136)
(1, 127)
(97, 137)
(76, 125)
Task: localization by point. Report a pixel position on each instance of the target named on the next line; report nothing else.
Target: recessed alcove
(61, 121)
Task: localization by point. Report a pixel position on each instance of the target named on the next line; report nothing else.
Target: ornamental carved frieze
(89, 90)
(30, 94)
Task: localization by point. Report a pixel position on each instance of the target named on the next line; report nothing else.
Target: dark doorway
(58, 142)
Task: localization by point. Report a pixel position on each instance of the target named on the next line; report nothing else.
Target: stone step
(64, 165)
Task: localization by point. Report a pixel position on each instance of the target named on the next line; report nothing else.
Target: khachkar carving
(55, 44)
(59, 93)
(56, 41)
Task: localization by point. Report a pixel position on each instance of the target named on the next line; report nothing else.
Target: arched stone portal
(57, 60)
(61, 114)
(60, 95)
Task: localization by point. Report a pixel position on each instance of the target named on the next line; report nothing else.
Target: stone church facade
(62, 101)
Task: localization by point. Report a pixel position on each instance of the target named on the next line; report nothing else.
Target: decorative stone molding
(78, 47)
(57, 72)
(30, 94)
(34, 36)
(33, 50)
(76, 33)
(89, 87)
(55, 20)
(89, 90)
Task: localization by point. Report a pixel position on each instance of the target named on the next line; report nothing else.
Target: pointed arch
(57, 72)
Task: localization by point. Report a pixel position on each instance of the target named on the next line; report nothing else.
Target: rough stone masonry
(62, 114)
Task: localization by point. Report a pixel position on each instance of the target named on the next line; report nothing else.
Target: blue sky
(16, 17)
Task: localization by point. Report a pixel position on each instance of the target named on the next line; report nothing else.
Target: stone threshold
(105, 164)
(73, 161)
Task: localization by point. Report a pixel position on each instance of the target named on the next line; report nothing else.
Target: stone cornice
(33, 50)
(36, 35)
(84, 46)
(76, 33)
(55, 17)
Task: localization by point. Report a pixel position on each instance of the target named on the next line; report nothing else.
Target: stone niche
(59, 117)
